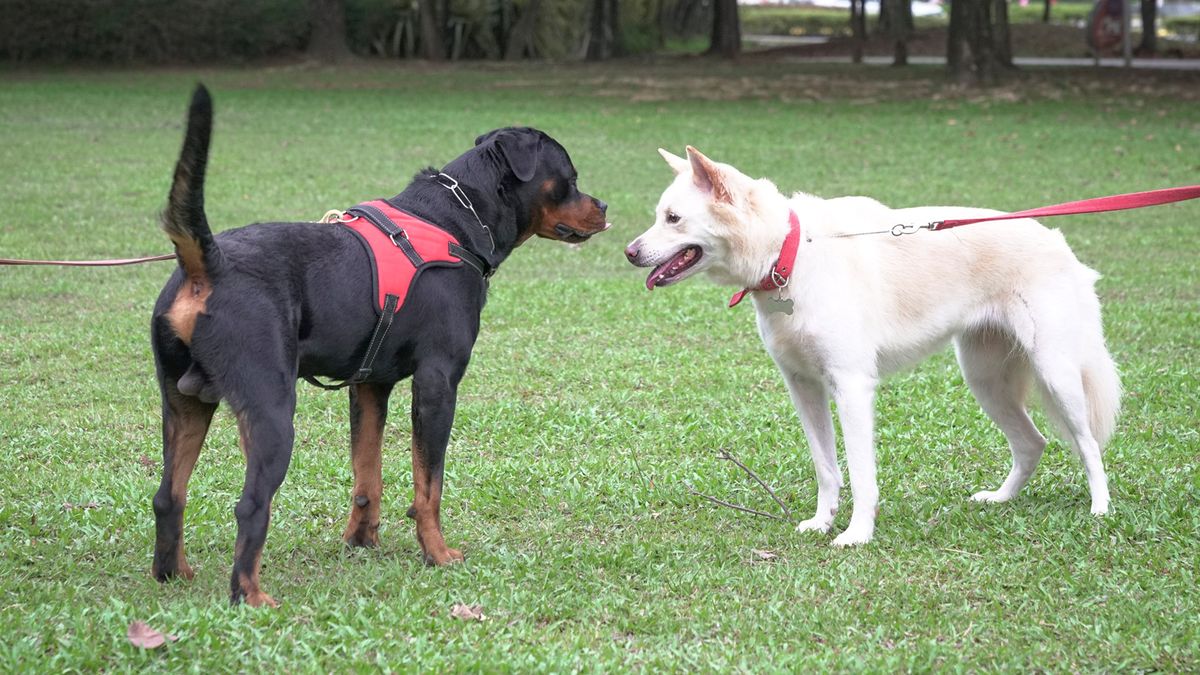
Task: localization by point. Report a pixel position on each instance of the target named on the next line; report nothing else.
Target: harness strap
(381, 331)
(479, 264)
(396, 233)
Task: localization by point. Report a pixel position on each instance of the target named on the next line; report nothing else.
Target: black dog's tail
(184, 220)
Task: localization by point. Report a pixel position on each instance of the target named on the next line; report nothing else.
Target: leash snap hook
(901, 229)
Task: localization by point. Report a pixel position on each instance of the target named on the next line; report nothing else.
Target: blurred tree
(726, 30)
(1149, 45)
(858, 27)
(521, 37)
(604, 30)
(433, 22)
(978, 46)
(897, 19)
(327, 36)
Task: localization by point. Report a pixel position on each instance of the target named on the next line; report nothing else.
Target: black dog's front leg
(434, 393)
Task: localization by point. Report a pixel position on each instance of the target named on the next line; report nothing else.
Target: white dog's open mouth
(675, 268)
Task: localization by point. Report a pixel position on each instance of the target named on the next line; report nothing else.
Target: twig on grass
(731, 505)
(724, 454)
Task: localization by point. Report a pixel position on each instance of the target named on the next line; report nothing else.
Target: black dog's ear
(519, 149)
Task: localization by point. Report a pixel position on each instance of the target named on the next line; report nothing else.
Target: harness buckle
(402, 234)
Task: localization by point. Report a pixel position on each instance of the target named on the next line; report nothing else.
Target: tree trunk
(1046, 11)
(327, 41)
(1149, 45)
(977, 45)
(1001, 35)
(726, 30)
(604, 31)
(433, 47)
(858, 28)
(899, 21)
(520, 39)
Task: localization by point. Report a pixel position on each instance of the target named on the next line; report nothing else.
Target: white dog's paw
(992, 496)
(852, 537)
(814, 524)
(1100, 508)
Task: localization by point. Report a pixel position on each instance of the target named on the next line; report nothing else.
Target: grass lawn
(592, 405)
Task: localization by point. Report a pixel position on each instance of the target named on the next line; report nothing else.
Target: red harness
(400, 246)
(781, 271)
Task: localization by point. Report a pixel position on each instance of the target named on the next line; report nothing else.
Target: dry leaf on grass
(763, 555)
(468, 612)
(146, 637)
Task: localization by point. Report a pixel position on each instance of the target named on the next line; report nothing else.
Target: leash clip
(335, 216)
(901, 229)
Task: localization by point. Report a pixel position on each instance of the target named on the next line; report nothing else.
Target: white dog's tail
(1097, 372)
(1102, 387)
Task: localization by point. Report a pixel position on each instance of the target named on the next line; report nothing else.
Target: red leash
(88, 263)
(1133, 200)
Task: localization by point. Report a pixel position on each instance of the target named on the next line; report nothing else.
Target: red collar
(781, 271)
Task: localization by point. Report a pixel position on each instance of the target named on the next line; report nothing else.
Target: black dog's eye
(672, 217)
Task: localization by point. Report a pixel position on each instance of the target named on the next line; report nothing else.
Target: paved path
(1021, 61)
(1029, 61)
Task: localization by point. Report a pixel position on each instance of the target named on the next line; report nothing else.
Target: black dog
(252, 309)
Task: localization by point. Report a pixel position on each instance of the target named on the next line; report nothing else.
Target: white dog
(839, 312)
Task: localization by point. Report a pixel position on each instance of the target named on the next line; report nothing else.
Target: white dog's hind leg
(812, 404)
(998, 373)
(855, 398)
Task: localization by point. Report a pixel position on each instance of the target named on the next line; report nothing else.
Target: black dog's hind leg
(434, 392)
(266, 432)
(185, 422)
(368, 413)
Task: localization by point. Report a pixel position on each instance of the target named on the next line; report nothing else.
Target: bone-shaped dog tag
(780, 305)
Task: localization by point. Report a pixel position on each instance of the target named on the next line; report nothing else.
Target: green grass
(591, 405)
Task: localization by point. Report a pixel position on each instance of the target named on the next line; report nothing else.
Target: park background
(593, 409)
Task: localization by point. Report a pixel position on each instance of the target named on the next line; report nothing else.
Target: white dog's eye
(672, 217)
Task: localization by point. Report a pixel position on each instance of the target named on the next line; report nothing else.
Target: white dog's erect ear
(708, 176)
(678, 164)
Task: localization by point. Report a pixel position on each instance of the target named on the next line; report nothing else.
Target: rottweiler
(250, 310)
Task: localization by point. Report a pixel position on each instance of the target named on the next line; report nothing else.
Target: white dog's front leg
(856, 410)
(812, 404)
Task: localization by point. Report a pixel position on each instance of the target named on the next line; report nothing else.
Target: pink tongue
(661, 271)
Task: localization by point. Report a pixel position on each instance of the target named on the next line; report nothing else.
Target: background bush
(172, 31)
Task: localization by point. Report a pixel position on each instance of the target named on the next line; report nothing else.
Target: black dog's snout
(601, 205)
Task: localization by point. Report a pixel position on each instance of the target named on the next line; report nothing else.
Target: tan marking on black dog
(366, 443)
(582, 214)
(426, 511)
(190, 301)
